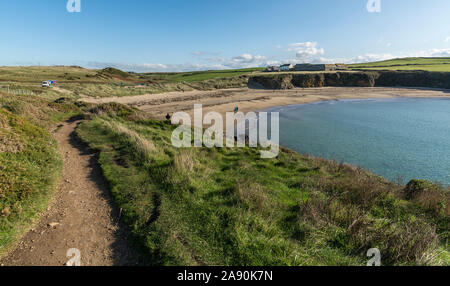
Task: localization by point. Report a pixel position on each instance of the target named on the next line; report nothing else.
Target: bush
(431, 197)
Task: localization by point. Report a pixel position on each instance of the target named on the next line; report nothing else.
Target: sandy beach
(222, 101)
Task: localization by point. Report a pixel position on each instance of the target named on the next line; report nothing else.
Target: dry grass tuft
(184, 162)
(9, 140)
(399, 241)
(143, 146)
(431, 197)
(251, 194)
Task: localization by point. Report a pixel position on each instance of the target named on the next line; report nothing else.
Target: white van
(45, 84)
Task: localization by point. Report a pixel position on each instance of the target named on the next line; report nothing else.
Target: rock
(53, 224)
(347, 79)
(5, 212)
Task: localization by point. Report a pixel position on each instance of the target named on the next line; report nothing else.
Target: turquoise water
(396, 138)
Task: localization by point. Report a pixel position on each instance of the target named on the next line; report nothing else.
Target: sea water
(397, 138)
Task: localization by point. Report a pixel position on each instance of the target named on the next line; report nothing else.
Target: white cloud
(247, 59)
(211, 63)
(214, 59)
(428, 53)
(151, 67)
(447, 39)
(309, 52)
(306, 50)
(203, 53)
(241, 61)
(371, 58)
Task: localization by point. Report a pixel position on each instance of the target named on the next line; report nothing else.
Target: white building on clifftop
(286, 67)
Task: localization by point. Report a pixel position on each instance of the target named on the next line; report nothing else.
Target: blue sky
(175, 35)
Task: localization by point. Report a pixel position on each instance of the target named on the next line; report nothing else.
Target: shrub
(431, 197)
(113, 109)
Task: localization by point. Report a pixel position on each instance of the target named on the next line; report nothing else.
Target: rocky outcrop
(414, 79)
(357, 79)
(279, 81)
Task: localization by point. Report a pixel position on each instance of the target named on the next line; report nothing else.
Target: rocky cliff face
(358, 79)
(414, 79)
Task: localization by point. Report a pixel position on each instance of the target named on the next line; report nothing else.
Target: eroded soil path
(81, 216)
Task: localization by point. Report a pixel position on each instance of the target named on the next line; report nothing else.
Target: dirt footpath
(81, 216)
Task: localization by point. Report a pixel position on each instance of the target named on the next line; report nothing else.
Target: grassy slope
(29, 162)
(113, 82)
(229, 207)
(199, 76)
(428, 64)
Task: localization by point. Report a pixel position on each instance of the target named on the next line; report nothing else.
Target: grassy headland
(205, 206)
(227, 206)
(425, 64)
(76, 82)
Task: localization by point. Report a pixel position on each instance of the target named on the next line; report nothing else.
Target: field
(426, 64)
(199, 76)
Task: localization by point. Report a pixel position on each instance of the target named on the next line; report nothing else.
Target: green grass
(198, 76)
(113, 82)
(41, 111)
(119, 90)
(30, 163)
(427, 64)
(35, 74)
(227, 206)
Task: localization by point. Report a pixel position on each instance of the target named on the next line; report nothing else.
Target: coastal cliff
(356, 79)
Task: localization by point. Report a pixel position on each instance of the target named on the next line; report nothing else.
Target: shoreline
(225, 100)
(273, 108)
